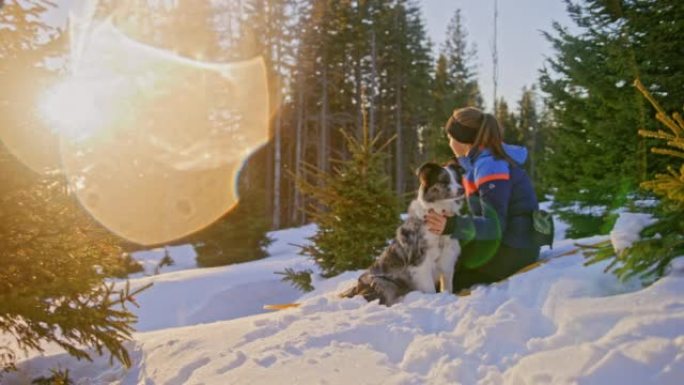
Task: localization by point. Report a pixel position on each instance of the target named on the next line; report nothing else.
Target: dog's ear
(455, 165)
(425, 170)
(420, 169)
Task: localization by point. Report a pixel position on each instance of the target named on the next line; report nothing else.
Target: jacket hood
(517, 153)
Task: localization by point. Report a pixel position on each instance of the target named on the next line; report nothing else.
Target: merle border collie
(417, 259)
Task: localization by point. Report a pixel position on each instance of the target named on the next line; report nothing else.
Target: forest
(340, 71)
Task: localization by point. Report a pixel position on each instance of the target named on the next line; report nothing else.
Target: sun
(77, 109)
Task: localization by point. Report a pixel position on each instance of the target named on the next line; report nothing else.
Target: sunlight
(152, 142)
(74, 110)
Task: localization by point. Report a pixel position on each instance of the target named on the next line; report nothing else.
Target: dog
(417, 259)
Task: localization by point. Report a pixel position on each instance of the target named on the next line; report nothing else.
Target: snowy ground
(561, 323)
(183, 257)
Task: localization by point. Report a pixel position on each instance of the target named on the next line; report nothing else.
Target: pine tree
(540, 149)
(54, 258)
(441, 95)
(508, 122)
(529, 129)
(240, 235)
(585, 84)
(372, 46)
(58, 377)
(319, 88)
(299, 279)
(656, 28)
(407, 88)
(301, 87)
(662, 241)
(460, 57)
(274, 26)
(195, 30)
(527, 118)
(353, 206)
(593, 127)
(454, 86)
(25, 42)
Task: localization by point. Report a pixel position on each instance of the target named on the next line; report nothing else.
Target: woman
(497, 238)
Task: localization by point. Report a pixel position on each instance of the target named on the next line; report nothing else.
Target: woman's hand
(436, 222)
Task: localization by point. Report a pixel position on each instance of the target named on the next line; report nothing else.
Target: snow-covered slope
(561, 323)
(183, 257)
(191, 297)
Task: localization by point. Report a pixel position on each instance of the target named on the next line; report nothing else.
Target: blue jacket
(501, 198)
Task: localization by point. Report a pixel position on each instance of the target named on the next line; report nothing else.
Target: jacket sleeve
(490, 221)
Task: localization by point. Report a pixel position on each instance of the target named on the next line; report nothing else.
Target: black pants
(505, 262)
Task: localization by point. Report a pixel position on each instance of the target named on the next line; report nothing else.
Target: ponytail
(481, 126)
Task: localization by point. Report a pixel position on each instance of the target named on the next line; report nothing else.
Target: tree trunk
(276, 170)
(399, 161)
(296, 206)
(374, 86)
(277, 145)
(533, 153)
(358, 71)
(323, 126)
(358, 97)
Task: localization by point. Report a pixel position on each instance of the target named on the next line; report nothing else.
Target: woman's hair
(473, 126)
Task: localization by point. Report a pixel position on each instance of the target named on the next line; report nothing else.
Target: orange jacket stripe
(469, 186)
(489, 178)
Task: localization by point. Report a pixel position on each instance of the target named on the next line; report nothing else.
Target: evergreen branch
(678, 118)
(657, 134)
(678, 143)
(661, 115)
(597, 245)
(387, 143)
(669, 123)
(378, 137)
(665, 151)
(351, 139)
(299, 279)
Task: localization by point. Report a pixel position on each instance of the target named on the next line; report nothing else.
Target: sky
(522, 48)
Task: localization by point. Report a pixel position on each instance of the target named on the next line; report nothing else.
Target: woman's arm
(491, 223)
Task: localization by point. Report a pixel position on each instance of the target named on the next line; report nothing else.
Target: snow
(183, 257)
(561, 323)
(627, 228)
(197, 296)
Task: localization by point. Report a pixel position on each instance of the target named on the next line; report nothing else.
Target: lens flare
(151, 142)
(76, 109)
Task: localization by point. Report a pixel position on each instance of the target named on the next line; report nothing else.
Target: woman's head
(470, 127)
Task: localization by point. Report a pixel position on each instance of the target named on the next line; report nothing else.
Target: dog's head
(373, 287)
(439, 182)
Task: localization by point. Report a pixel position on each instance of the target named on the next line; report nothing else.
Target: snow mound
(197, 296)
(561, 323)
(627, 228)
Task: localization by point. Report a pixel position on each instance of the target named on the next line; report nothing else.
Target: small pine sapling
(662, 241)
(353, 206)
(58, 377)
(299, 279)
